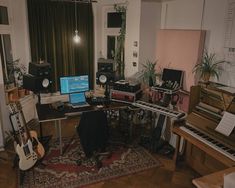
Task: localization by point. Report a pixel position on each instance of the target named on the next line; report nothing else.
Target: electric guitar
(28, 148)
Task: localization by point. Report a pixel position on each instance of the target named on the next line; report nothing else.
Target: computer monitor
(74, 84)
(75, 98)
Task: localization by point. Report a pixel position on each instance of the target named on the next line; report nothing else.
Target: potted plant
(19, 71)
(149, 71)
(208, 67)
(118, 54)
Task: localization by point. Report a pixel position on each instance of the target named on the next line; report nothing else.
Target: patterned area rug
(63, 171)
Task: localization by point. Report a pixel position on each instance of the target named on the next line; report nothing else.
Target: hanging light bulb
(76, 37)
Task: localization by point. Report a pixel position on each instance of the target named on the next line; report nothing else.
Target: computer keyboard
(73, 113)
(80, 105)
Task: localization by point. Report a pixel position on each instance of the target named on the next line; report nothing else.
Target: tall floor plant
(119, 55)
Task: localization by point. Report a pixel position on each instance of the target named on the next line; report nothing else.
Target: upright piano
(207, 150)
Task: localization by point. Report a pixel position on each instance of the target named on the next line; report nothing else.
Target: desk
(47, 113)
(214, 180)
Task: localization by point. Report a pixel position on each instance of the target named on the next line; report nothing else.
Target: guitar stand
(22, 175)
(21, 172)
(43, 139)
(16, 158)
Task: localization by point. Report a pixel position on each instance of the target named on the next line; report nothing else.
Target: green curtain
(51, 30)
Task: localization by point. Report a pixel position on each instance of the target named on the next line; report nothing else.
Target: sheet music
(227, 124)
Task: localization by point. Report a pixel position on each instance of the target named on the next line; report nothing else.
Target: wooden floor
(167, 176)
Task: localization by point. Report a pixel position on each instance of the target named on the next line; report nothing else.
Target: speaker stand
(43, 139)
(106, 93)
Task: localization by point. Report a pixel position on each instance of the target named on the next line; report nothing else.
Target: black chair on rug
(93, 132)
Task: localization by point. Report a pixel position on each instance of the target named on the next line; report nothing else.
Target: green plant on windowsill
(18, 70)
(209, 67)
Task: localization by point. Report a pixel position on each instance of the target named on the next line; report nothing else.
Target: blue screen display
(77, 98)
(74, 84)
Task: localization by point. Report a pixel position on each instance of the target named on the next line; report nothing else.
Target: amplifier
(39, 69)
(125, 96)
(123, 85)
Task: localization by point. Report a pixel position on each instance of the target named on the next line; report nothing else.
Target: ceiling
(157, 0)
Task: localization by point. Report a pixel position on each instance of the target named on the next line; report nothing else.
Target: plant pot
(206, 77)
(150, 81)
(21, 93)
(9, 86)
(27, 92)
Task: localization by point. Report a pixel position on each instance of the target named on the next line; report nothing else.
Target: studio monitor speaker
(105, 77)
(39, 69)
(106, 65)
(36, 83)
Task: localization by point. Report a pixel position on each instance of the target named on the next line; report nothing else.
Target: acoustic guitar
(28, 148)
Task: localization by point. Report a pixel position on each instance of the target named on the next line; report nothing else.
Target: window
(112, 23)
(4, 15)
(6, 58)
(114, 20)
(111, 46)
(10, 93)
(6, 45)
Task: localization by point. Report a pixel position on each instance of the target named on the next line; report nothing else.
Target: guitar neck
(23, 129)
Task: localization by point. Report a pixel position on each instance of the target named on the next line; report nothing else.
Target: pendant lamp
(76, 37)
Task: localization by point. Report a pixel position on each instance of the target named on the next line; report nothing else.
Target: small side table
(214, 180)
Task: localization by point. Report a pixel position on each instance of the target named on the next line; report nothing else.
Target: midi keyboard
(159, 109)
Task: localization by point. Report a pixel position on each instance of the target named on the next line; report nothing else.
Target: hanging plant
(119, 54)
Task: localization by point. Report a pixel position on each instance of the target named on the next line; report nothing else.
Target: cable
(203, 12)
(75, 14)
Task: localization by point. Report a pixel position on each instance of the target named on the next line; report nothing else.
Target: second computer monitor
(173, 76)
(74, 84)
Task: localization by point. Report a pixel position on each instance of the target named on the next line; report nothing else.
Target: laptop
(78, 100)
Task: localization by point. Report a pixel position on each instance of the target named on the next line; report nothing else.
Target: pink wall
(180, 49)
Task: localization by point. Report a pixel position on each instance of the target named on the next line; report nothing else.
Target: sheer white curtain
(1, 137)
(2, 94)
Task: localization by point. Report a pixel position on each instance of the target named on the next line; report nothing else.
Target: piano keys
(207, 150)
(217, 145)
(159, 109)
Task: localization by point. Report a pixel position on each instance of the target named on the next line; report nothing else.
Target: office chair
(93, 133)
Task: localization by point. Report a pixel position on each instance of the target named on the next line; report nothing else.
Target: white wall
(132, 35)
(214, 23)
(150, 22)
(182, 14)
(20, 34)
(20, 49)
(132, 31)
(4, 116)
(1, 108)
(190, 14)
